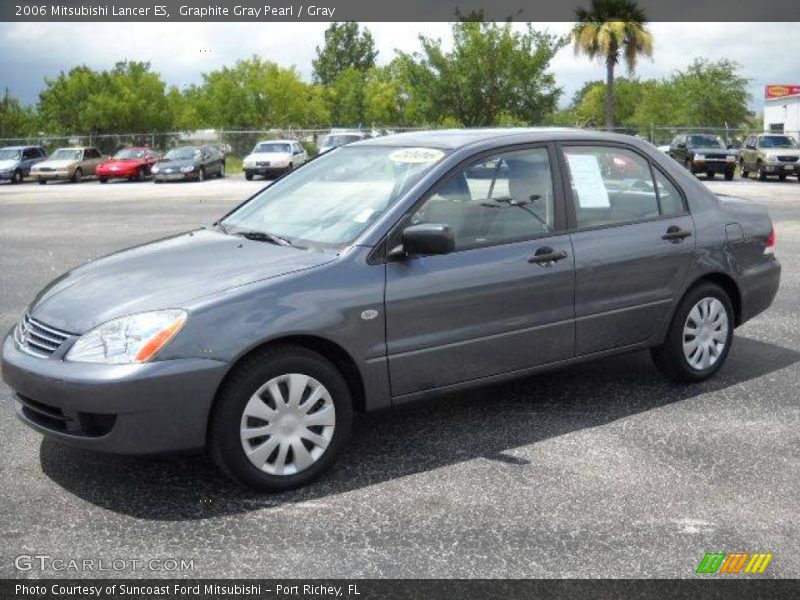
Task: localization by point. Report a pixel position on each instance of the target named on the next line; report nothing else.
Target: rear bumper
(712, 166)
(758, 286)
(127, 409)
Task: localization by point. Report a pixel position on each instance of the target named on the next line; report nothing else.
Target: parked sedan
(128, 163)
(704, 153)
(16, 161)
(274, 157)
(341, 138)
(194, 163)
(385, 272)
(770, 155)
(67, 164)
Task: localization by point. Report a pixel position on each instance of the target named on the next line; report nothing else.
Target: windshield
(129, 153)
(334, 198)
(706, 141)
(182, 154)
(66, 154)
(9, 154)
(340, 140)
(271, 147)
(777, 141)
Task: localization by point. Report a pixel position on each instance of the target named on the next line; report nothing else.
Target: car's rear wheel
(699, 337)
(781, 177)
(17, 177)
(729, 174)
(280, 419)
(77, 176)
(103, 180)
(42, 182)
(762, 173)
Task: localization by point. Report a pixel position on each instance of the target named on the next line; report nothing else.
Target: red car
(128, 163)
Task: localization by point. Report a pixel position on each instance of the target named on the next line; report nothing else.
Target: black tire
(781, 177)
(17, 177)
(77, 176)
(729, 174)
(743, 170)
(42, 182)
(762, 174)
(669, 357)
(221, 173)
(103, 180)
(140, 174)
(248, 176)
(710, 174)
(224, 443)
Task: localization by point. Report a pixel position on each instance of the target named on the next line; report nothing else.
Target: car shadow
(482, 423)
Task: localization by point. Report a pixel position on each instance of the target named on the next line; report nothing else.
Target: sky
(181, 52)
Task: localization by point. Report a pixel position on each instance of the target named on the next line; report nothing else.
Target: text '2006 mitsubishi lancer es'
(382, 272)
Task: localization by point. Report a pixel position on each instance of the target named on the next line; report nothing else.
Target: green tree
(612, 30)
(493, 73)
(714, 93)
(346, 47)
(591, 108)
(15, 120)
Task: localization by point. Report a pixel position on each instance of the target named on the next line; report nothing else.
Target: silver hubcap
(705, 333)
(287, 424)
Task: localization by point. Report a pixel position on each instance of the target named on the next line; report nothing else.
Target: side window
(669, 198)
(610, 185)
(500, 199)
(27, 153)
(91, 153)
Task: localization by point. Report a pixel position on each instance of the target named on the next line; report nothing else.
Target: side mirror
(426, 238)
(682, 146)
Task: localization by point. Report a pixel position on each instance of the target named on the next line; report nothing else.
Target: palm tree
(610, 30)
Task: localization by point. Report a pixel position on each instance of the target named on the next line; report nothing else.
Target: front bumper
(260, 170)
(148, 408)
(7, 174)
(161, 176)
(782, 168)
(115, 174)
(52, 175)
(712, 166)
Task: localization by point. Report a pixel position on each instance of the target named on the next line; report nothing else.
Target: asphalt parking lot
(602, 470)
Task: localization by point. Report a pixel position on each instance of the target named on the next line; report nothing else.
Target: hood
(8, 164)
(57, 164)
(175, 164)
(713, 150)
(781, 151)
(164, 274)
(269, 156)
(123, 162)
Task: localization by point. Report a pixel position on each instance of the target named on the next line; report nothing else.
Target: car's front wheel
(77, 176)
(18, 177)
(280, 420)
(699, 336)
(743, 170)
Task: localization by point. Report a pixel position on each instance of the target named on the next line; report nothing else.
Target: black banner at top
(264, 11)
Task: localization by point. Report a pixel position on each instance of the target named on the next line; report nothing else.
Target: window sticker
(416, 155)
(588, 181)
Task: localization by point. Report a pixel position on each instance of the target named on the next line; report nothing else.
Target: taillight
(772, 240)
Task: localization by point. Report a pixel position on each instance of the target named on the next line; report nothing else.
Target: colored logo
(734, 563)
(780, 91)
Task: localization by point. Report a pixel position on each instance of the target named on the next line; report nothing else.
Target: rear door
(633, 243)
(495, 305)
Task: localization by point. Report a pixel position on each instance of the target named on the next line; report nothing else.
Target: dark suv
(704, 153)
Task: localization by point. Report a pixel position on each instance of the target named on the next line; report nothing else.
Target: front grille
(716, 156)
(74, 423)
(789, 159)
(46, 169)
(262, 163)
(37, 338)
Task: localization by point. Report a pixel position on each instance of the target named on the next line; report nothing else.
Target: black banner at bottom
(390, 589)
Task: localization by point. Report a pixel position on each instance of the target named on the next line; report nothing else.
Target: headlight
(699, 156)
(132, 339)
(154, 169)
(188, 169)
(771, 158)
(731, 158)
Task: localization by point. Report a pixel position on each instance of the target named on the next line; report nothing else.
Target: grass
(233, 164)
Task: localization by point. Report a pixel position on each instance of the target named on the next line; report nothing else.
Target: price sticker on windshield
(416, 155)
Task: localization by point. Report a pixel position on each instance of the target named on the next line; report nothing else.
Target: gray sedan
(385, 272)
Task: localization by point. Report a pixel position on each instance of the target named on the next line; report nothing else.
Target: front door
(503, 301)
(633, 244)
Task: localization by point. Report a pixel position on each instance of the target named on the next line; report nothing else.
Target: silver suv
(16, 161)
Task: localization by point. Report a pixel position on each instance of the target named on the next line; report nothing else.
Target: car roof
(19, 147)
(276, 142)
(452, 139)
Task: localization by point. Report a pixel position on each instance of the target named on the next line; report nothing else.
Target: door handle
(546, 256)
(675, 234)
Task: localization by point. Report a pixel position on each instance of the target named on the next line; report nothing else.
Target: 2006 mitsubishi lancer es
(383, 272)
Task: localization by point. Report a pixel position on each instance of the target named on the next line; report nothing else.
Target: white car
(273, 157)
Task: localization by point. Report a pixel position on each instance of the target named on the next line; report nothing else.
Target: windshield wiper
(263, 236)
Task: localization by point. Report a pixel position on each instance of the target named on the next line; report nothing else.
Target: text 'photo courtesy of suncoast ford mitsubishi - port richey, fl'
(385, 271)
